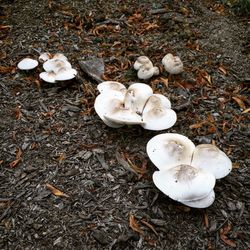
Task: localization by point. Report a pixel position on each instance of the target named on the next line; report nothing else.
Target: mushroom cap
(156, 100)
(169, 150)
(147, 71)
(159, 118)
(172, 64)
(184, 183)
(105, 103)
(201, 203)
(212, 159)
(27, 64)
(48, 76)
(64, 74)
(142, 60)
(60, 56)
(124, 116)
(111, 85)
(56, 64)
(44, 57)
(137, 96)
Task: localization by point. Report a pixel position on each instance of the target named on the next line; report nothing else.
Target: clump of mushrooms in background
(117, 106)
(145, 68)
(57, 67)
(187, 173)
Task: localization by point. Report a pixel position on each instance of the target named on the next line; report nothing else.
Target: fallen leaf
(56, 191)
(246, 111)
(134, 225)
(61, 157)
(223, 235)
(223, 70)
(149, 226)
(239, 102)
(7, 69)
(18, 158)
(236, 165)
(206, 220)
(18, 113)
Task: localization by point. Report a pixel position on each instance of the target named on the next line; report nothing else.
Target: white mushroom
(122, 115)
(55, 65)
(201, 203)
(48, 76)
(105, 103)
(211, 159)
(169, 150)
(60, 56)
(172, 64)
(184, 183)
(157, 100)
(147, 71)
(111, 85)
(137, 96)
(64, 74)
(27, 64)
(159, 118)
(44, 57)
(142, 60)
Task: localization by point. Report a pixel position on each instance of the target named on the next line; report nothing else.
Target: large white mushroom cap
(170, 150)
(201, 203)
(184, 183)
(48, 76)
(172, 64)
(106, 103)
(111, 85)
(147, 71)
(27, 64)
(211, 159)
(137, 96)
(142, 60)
(64, 74)
(55, 65)
(60, 56)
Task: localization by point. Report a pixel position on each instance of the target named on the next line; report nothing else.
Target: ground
(67, 181)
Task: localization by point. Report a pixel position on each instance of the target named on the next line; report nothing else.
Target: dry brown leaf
(149, 226)
(18, 158)
(4, 27)
(61, 157)
(56, 191)
(206, 220)
(239, 102)
(223, 70)
(18, 113)
(7, 69)
(236, 165)
(246, 111)
(134, 225)
(223, 235)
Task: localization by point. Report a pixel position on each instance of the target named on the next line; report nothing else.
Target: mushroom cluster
(118, 106)
(145, 68)
(187, 173)
(57, 67)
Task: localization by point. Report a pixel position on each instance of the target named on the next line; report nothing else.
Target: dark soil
(50, 134)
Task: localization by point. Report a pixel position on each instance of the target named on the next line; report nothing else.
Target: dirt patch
(50, 134)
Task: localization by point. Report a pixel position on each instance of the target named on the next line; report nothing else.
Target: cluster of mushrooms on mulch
(186, 173)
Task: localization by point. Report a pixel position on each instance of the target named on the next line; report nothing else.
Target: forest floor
(67, 181)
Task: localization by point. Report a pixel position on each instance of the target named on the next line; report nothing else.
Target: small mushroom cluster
(187, 173)
(145, 68)
(57, 67)
(118, 106)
